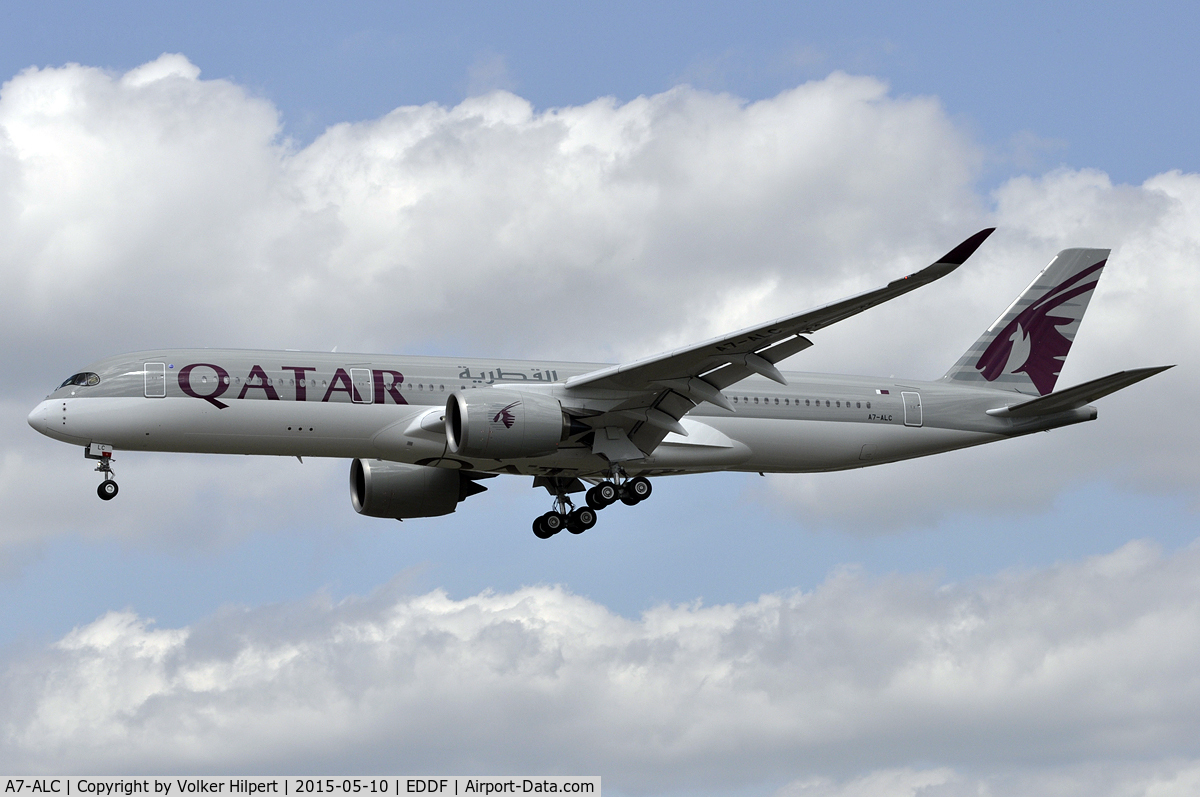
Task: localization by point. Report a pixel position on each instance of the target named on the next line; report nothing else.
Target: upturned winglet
(959, 254)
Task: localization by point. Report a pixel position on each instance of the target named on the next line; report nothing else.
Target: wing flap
(781, 351)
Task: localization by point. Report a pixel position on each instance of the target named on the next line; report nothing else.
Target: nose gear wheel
(103, 455)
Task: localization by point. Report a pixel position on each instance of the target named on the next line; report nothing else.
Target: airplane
(423, 432)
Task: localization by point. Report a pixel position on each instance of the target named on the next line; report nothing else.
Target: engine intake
(504, 424)
(397, 490)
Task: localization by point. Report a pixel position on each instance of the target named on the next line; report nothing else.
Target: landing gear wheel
(540, 532)
(640, 486)
(581, 520)
(602, 495)
(595, 499)
(107, 490)
(635, 491)
(554, 522)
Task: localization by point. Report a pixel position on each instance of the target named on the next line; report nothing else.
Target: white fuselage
(390, 408)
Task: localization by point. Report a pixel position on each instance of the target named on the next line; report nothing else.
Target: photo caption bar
(235, 786)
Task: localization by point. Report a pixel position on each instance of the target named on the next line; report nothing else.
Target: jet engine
(503, 424)
(396, 490)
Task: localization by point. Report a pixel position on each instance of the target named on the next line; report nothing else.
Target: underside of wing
(635, 405)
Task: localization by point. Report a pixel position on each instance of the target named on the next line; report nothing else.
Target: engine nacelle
(396, 490)
(504, 424)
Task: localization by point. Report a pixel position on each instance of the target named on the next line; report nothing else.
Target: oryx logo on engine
(505, 416)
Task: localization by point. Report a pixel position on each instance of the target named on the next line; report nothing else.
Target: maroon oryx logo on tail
(1031, 343)
(505, 416)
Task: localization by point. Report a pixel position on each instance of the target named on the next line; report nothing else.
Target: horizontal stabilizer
(1078, 396)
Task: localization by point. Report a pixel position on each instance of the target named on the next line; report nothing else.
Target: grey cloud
(48, 491)
(159, 209)
(1142, 314)
(1170, 778)
(1009, 677)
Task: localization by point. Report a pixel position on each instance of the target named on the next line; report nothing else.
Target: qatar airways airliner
(423, 432)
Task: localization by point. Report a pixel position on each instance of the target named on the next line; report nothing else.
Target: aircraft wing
(666, 386)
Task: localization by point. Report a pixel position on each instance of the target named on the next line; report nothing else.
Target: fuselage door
(912, 409)
(364, 390)
(156, 380)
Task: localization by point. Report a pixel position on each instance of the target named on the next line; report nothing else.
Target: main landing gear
(632, 491)
(577, 521)
(103, 453)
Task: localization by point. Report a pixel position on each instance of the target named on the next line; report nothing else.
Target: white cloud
(155, 208)
(572, 229)
(1142, 315)
(1013, 679)
(159, 209)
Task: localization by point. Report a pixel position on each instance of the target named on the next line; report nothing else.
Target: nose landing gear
(103, 453)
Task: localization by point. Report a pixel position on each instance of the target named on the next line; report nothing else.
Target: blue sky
(1094, 84)
(247, 192)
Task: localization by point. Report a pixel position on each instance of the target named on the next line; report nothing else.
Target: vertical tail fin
(1024, 350)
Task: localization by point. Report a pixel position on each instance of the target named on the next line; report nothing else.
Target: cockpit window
(85, 379)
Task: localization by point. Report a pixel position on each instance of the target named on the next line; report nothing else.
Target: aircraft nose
(40, 417)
